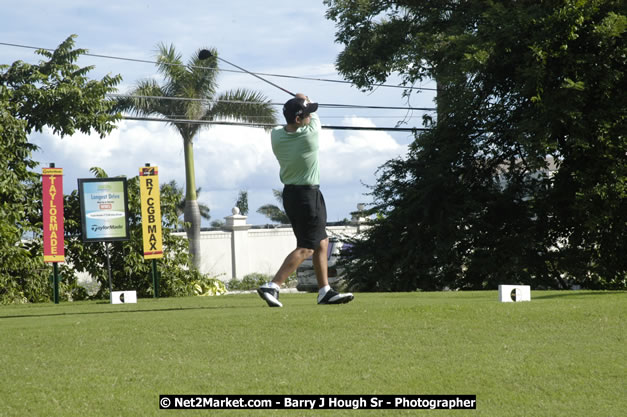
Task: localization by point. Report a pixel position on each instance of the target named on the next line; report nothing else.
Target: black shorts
(304, 205)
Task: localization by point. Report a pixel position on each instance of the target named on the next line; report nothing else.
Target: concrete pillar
(236, 224)
(358, 218)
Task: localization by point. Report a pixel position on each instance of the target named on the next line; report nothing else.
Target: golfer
(295, 146)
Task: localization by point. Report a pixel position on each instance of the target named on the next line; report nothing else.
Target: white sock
(272, 285)
(323, 291)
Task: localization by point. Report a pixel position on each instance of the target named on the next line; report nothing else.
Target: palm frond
(243, 105)
(274, 213)
(138, 102)
(203, 75)
(204, 211)
(278, 195)
(98, 172)
(170, 63)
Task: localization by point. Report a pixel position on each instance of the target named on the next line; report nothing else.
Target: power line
(336, 106)
(145, 61)
(267, 125)
(250, 117)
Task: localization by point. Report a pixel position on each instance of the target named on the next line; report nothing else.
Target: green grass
(562, 354)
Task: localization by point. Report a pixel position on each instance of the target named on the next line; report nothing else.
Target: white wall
(268, 248)
(215, 249)
(243, 250)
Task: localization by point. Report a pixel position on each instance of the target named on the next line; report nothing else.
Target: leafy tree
(129, 269)
(273, 212)
(522, 177)
(196, 80)
(57, 94)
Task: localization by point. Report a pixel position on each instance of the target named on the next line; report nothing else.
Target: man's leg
(326, 295)
(293, 260)
(321, 263)
(270, 291)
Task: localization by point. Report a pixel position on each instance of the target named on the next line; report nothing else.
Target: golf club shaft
(255, 75)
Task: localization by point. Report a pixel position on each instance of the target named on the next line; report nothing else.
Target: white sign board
(123, 297)
(514, 293)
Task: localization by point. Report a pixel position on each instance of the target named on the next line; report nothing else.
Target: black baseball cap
(298, 107)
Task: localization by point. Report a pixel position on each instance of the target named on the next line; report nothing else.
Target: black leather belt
(302, 187)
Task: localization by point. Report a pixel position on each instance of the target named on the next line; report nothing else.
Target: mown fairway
(562, 354)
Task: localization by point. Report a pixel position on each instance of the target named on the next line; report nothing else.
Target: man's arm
(315, 122)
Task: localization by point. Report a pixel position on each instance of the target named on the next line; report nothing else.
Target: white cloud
(354, 158)
(121, 153)
(230, 155)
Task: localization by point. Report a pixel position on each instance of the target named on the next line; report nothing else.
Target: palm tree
(274, 213)
(242, 202)
(195, 80)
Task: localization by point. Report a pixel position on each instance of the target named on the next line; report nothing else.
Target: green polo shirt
(297, 153)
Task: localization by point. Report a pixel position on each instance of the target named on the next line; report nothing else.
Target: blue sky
(275, 37)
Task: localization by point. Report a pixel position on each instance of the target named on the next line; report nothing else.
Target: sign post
(104, 212)
(151, 219)
(54, 243)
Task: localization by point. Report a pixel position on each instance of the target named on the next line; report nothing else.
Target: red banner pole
(54, 243)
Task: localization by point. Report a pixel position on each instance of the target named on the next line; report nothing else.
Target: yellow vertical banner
(151, 212)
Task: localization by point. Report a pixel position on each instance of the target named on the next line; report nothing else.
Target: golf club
(205, 53)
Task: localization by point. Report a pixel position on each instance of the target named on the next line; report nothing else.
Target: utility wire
(337, 106)
(250, 117)
(268, 125)
(145, 61)
(241, 102)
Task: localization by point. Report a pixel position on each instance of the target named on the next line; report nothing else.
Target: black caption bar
(318, 402)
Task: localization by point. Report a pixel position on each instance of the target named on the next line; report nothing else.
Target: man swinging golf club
(295, 146)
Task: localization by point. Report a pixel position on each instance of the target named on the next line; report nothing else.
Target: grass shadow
(576, 293)
(83, 313)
